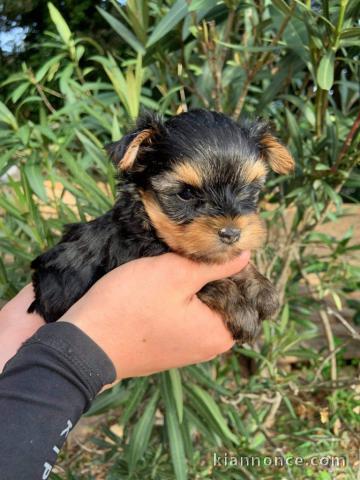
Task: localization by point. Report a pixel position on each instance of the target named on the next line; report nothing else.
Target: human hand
(16, 325)
(146, 316)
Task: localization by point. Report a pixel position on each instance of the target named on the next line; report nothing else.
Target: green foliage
(291, 62)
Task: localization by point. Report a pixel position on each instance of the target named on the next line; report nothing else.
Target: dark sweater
(44, 390)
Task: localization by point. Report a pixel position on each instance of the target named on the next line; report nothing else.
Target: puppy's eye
(186, 194)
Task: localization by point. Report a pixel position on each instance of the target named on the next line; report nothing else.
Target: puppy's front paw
(258, 291)
(240, 316)
(267, 301)
(244, 301)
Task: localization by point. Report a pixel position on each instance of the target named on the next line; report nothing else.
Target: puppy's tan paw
(258, 292)
(244, 301)
(240, 316)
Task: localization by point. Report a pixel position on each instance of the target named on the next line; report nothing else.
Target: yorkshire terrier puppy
(190, 185)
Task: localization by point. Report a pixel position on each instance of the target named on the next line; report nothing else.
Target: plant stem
(41, 92)
(320, 111)
(349, 139)
(343, 4)
(261, 62)
(331, 343)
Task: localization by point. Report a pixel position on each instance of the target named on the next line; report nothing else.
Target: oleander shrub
(295, 63)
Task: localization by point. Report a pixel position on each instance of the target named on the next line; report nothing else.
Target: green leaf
(293, 127)
(335, 197)
(47, 65)
(80, 50)
(173, 429)
(282, 6)
(121, 30)
(87, 183)
(243, 48)
(7, 117)
(210, 409)
(133, 87)
(60, 24)
(37, 224)
(19, 91)
(175, 379)
(111, 398)
(284, 319)
(16, 77)
(137, 394)
(5, 159)
(128, 89)
(167, 23)
(115, 130)
(36, 180)
(142, 431)
(252, 410)
(325, 72)
(353, 32)
(337, 300)
(197, 5)
(201, 425)
(10, 208)
(307, 108)
(93, 150)
(199, 373)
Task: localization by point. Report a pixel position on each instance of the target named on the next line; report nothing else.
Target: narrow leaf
(167, 23)
(36, 180)
(177, 449)
(137, 394)
(111, 398)
(121, 30)
(325, 72)
(142, 431)
(7, 117)
(60, 24)
(176, 385)
(214, 412)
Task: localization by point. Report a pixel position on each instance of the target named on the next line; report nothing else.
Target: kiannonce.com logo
(279, 461)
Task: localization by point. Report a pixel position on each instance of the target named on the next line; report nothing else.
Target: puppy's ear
(125, 152)
(276, 155)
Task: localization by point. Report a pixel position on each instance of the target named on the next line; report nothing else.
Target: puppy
(190, 185)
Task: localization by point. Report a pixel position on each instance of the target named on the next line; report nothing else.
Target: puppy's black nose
(229, 235)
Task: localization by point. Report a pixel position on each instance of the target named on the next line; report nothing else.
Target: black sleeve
(44, 389)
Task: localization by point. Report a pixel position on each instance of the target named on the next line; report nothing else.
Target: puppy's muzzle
(229, 235)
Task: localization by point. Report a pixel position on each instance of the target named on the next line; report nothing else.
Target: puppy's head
(199, 175)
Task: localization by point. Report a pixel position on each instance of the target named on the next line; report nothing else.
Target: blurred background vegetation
(74, 75)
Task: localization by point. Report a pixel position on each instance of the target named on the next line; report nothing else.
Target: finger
(172, 270)
(212, 326)
(22, 300)
(192, 276)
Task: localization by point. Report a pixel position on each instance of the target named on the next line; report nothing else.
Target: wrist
(15, 328)
(93, 330)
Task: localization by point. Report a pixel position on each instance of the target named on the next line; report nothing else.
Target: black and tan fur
(189, 184)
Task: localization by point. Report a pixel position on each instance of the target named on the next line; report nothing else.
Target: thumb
(194, 275)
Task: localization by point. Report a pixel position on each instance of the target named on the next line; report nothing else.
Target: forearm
(15, 325)
(145, 316)
(44, 389)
